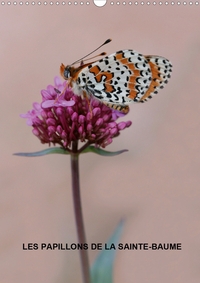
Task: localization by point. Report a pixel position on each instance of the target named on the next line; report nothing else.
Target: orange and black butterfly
(119, 79)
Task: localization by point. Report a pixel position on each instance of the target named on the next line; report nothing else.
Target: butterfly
(119, 79)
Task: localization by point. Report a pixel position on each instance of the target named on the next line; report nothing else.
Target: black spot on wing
(108, 95)
(116, 97)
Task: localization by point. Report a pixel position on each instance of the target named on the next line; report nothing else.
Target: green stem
(78, 212)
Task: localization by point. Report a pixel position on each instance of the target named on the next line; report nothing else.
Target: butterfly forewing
(121, 78)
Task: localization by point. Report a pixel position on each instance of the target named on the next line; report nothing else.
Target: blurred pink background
(155, 186)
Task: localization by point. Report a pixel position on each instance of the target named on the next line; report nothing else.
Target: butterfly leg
(62, 92)
(85, 95)
(121, 108)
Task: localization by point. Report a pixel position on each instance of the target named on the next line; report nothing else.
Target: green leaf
(44, 152)
(61, 150)
(102, 268)
(103, 152)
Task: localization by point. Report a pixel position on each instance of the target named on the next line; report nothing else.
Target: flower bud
(88, 117)
(96, 111)
(81, 119)
(121, 125)
(59, 111)
(128, 123)
(51, 122)
(59, 129)
(95, 103)
(44, 114)
(112, 125)
(113, 131)
(80, 130)
(109, 141)
(64, 135)
(99, 122)
(70, 111)
(51, 129)
(36, 132)
(50, 114)
(74, 117)
(106, 117)
(89, 127)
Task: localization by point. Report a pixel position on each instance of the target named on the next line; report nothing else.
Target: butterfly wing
(161, 69)
(124, 77)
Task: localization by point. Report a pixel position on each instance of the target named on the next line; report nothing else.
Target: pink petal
(48, 103)
(45, 94)
(29, 122)
(57, 81)
(24, 115)
(37, 106)
(65, 103)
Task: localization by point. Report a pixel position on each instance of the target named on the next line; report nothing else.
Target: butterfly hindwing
(161, 69)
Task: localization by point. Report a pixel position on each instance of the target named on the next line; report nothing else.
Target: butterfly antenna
(101, 54)
(106, 42)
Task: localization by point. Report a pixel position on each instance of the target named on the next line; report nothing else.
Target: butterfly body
(120, 79)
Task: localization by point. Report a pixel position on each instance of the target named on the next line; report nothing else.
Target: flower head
(69, 118)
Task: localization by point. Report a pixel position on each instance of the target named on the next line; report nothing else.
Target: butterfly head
(65, 71)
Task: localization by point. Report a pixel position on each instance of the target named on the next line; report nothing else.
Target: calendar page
(112, 89)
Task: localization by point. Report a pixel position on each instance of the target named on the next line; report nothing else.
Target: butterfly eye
(67, 73)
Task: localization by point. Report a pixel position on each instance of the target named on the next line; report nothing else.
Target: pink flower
(32, 115)
(52, 98)
(69, 119)
(116, 114)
